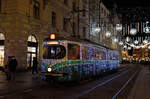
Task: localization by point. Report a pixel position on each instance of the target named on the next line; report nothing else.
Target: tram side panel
(92, 63)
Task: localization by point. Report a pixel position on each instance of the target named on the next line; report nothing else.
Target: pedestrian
(35, 66)
(12, 67)
(6, 70)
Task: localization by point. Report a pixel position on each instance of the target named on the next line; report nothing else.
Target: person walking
(6, 70)
(35, 66)
(12, 67)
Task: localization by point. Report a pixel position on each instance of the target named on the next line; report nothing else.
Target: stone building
(24, 24)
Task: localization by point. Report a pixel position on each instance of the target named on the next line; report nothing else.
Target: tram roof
(78, 40)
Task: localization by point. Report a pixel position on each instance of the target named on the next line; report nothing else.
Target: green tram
(67, 61)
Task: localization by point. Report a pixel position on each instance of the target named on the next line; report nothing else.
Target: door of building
(32, 51)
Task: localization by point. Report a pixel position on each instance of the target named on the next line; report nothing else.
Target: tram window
(54, 52)
(73, 52)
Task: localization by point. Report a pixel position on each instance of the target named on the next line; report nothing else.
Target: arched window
(31, 50)
(2, 38)
(32, 38)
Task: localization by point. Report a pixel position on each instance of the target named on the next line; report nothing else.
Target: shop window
(73, 52)
(31, 39)
(2, 38)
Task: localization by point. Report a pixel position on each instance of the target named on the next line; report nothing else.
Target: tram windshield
(54, 52)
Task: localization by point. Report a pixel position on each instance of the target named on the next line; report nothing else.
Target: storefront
(31, 50)
(2, 38)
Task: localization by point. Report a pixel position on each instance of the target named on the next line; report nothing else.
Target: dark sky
(132, 3)
(140, 9)
(129, 3)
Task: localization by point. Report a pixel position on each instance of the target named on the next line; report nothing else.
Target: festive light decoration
(148, 46)
(120, 43)
(118, 27)
(136, 42)
(145, 41)
(133, 31)
(125, 46)
(108, 34)
(127, 39)
(143, 46)
(129, 48)
(147, 29)
(97, 29)
(115, 40)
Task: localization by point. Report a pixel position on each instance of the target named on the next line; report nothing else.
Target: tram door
(31, 51)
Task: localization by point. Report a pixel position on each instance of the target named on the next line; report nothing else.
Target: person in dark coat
(12, 67)
(7, 68)
(35, 66)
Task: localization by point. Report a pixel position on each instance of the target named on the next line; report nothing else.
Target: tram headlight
(49, 69)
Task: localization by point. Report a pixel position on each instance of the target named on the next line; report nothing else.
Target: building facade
(24, 24)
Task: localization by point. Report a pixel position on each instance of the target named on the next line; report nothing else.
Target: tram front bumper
(53, 74)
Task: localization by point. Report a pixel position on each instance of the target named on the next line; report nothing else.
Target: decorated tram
(69, 60)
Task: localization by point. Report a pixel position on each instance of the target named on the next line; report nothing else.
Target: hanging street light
(120, 43)
(118, 27)
(108, 34)
(136, 42)
(133, 31)
(147, 28)
(145, 41)
(148, 46)
(127, 39)
(125, 46)
(97, 29)
(115, 40)
(129, 48)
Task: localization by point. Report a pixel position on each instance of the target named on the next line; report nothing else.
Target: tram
(68, 60)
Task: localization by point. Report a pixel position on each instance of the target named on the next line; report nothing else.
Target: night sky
(128, 3)
(132, 3)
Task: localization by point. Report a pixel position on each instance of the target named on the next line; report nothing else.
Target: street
(102, 88)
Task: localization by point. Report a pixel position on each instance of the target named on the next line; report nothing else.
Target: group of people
(10, 67)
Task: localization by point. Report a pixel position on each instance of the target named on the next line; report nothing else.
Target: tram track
(111, 88)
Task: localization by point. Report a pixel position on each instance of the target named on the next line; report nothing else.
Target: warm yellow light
(53, 42)
(52, 36)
